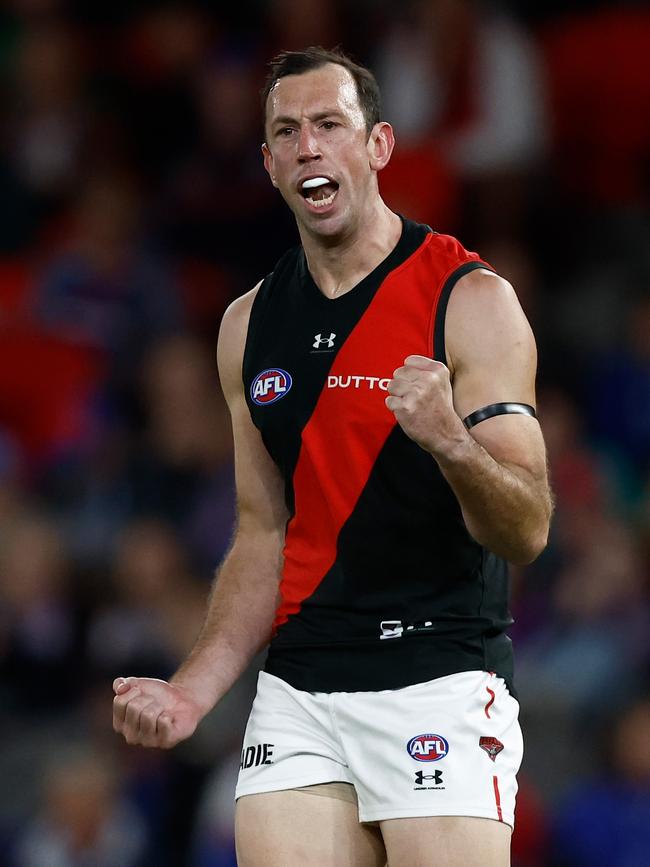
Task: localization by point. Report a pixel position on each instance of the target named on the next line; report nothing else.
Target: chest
(327, 364)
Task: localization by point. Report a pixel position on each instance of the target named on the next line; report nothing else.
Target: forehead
(331, 87)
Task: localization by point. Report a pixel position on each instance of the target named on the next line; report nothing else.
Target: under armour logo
(319, 340)
(420, 777)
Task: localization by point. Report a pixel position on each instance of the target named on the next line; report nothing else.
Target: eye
(328, 124)
(285, 132)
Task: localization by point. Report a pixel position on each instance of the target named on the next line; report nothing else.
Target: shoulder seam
(448, 283)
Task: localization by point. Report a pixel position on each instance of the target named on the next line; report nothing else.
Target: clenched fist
(421, 399)
(153, 713)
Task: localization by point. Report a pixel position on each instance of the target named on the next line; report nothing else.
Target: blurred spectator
(220, 203)
(595, 641)
(470, 76)
(158, 607)
(106, 290)
(466, 79)
(601, 135)
(40, 663)
(294, 24)
(93, 501)
(177, 465)
(531, 836)
(214, 841)
(162, 48)
(583, 610)
(12, 480)
(83, 820)
(578, 477)
(48, 390)
(182, 469)
(50, 112)
(617, 389)
(604, 820)
(420, 182)
(580, 487)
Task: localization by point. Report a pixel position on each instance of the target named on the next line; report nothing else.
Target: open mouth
(319, 192)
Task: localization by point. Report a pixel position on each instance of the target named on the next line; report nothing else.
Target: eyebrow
(285, 119)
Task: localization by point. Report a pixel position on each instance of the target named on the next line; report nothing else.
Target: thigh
(446, 841)
(294, 829)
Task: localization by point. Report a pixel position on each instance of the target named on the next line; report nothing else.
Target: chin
(331, 226)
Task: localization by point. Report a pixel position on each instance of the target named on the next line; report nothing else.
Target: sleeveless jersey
(382, 585)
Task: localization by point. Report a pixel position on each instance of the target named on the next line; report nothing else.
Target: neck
(338, 264)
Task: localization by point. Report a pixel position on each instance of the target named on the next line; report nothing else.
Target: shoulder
(232, 339)
(485, 320)
(234, 322)
(481, 293)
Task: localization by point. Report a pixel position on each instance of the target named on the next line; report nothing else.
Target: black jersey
(382, 585)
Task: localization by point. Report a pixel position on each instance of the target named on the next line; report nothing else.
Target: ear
(268, 162)
(380, 145)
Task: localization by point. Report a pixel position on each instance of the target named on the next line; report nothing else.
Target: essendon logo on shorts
(270, 385)
(427, 748)
(491, 746)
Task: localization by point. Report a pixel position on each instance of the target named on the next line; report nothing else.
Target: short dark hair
(314, 57)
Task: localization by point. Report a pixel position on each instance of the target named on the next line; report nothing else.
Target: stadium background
(133, 208)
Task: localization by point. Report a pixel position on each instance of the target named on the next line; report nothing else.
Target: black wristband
(498, 409)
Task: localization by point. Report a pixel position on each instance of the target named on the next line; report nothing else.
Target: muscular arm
(245, 593)
(497, 469)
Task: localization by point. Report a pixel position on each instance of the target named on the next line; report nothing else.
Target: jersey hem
(298, 669)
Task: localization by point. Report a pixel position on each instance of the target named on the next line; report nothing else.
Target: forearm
(507, 510)
(238, 620)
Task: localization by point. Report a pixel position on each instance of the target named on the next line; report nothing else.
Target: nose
(307, 145)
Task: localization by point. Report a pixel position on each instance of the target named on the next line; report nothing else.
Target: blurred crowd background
(133, 209)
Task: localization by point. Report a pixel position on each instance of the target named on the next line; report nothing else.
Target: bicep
(260, 490)
(493, 359)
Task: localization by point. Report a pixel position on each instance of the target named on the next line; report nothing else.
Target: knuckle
(132, 717)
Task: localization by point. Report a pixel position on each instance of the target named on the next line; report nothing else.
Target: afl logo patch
(427, 748)
(270, 385)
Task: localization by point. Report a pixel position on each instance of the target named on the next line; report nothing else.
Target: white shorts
(448, 747)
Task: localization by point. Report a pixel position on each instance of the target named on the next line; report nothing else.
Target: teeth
(314, 182)
(320, 203)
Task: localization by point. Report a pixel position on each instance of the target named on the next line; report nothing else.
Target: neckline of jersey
(409, 240)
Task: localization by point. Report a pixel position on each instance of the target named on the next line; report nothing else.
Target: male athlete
(388, 464)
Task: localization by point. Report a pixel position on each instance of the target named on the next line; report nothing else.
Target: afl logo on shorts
(270, 385)
(427, 748)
